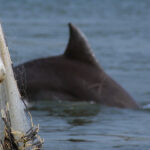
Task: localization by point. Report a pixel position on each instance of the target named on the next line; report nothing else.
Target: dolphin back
(74, 75)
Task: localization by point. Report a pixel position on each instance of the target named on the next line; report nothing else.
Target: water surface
(119, 33)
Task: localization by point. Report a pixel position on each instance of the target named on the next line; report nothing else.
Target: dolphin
(75, 75)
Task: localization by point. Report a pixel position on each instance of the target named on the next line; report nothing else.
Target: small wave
(146, 106)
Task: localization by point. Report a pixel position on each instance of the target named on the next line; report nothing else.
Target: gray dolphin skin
(74, 75)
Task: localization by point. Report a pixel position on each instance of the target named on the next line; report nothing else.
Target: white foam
(146, 106)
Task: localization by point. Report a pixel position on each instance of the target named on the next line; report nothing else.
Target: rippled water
(119, 33)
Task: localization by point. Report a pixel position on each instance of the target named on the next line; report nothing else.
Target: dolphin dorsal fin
(78, 48)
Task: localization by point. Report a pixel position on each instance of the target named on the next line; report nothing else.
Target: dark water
(119, 33)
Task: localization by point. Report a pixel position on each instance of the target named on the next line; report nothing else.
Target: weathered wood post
(16, 129)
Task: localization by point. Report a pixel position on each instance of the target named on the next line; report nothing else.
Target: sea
(119, 33)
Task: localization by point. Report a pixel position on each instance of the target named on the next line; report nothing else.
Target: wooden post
(13, 114)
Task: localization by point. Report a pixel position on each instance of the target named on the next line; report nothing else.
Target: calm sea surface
(119, 33)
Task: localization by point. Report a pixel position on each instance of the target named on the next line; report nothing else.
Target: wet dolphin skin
(74, 75)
